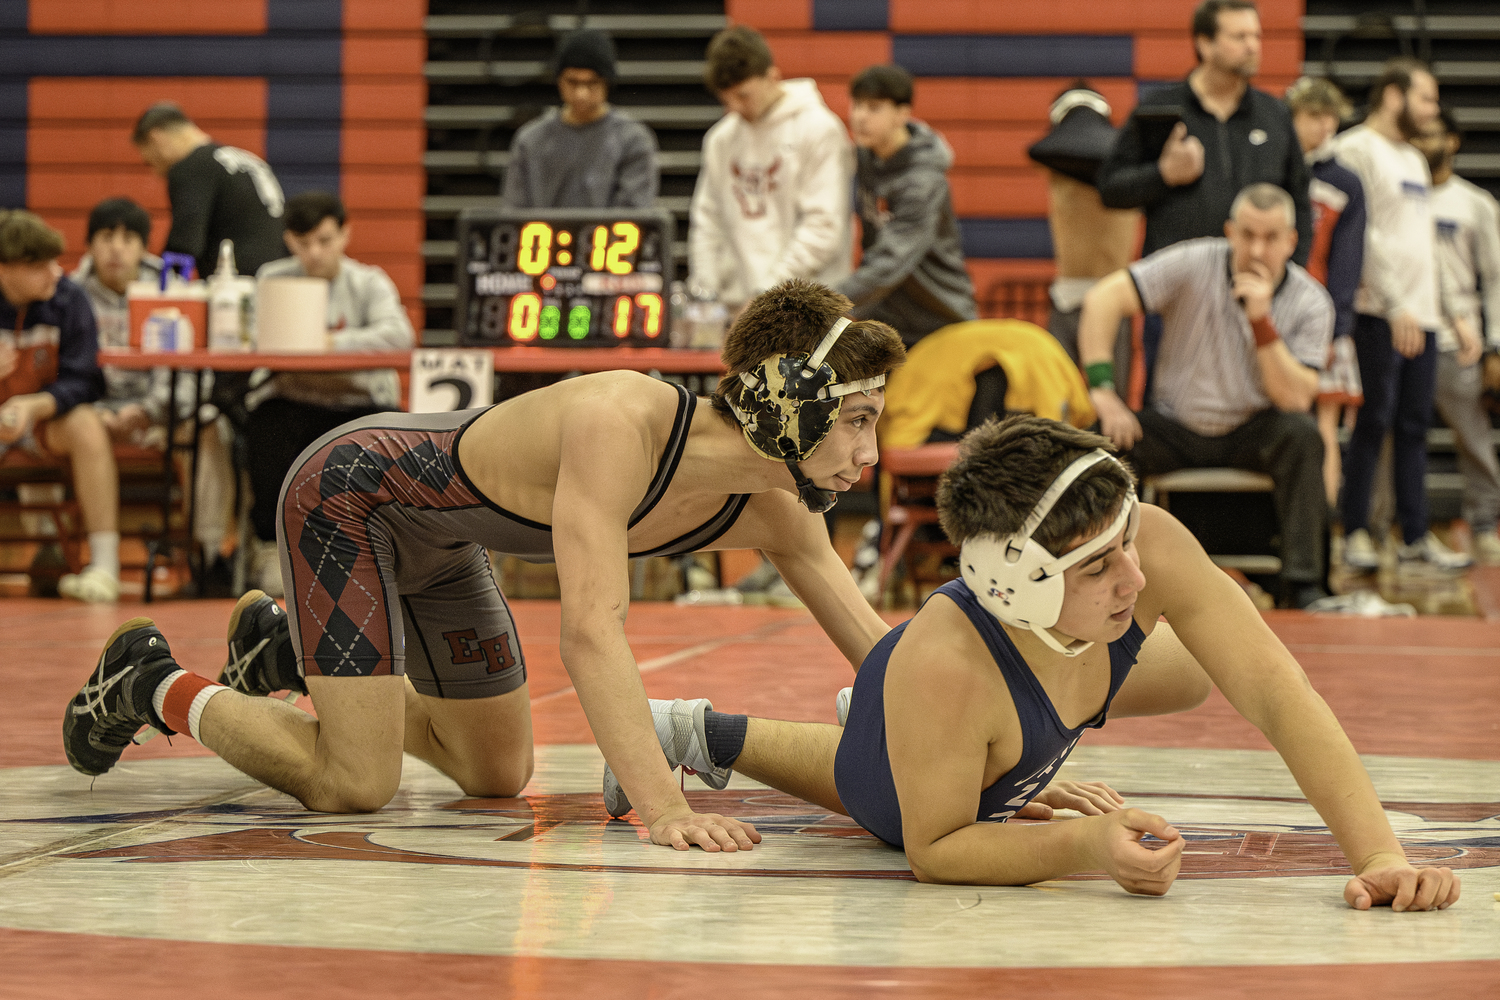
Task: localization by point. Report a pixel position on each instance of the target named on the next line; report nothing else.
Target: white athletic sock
(104, 552)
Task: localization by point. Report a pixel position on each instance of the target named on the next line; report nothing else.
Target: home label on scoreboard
(564, 277)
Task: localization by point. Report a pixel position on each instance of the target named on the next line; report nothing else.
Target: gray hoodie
(912, 274)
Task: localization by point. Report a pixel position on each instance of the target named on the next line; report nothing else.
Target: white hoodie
(774, 199)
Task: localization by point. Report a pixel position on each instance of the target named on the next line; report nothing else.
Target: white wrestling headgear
(1020, 582)
(788, 403)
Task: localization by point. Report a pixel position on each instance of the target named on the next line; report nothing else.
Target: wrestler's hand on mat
(1117, 848)
(1390, 880)
(709, 831)
(1116, 421)
(1092, 798)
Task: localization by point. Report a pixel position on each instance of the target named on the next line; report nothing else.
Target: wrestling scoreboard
(564, 277)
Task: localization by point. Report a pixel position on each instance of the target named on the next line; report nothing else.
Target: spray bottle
(231, 305)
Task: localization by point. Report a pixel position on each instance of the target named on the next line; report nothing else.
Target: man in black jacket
(1230, 136)
(217, 192)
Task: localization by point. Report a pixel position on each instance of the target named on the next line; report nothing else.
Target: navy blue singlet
(862, 769)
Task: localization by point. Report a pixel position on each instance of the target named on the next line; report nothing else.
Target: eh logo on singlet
(467, 647)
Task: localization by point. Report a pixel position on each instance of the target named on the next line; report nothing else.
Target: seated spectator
(1468, 256)
(1337, 256)
(912, 272)
(587, 154)
(293, 410)
(217, 192)
(1089, 241)
(49, 367)
(772, 198)
(1244, 334)
(134, 407)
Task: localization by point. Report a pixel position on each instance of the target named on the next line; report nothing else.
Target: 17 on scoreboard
(564, 277)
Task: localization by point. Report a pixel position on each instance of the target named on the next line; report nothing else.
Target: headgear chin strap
(1020, 582)
(787, 405)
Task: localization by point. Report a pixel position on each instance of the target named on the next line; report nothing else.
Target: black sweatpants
(1284, 446)
(277, 432)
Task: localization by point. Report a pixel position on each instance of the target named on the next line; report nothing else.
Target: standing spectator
(1089, 241)
(1397, 314)
(134, 407)
(587, 155)
(1468, 254)
(1230, 136)
(295, 409)
(1245, 332)
(1338, 254)
(772, 199)
(217, 192)
(49, 369)
(912, 273)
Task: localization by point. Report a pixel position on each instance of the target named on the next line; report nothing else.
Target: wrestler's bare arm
(605, 465)
(796, 542)
(942, 715)
(1221, 628)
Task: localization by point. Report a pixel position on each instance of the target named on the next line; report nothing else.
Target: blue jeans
(1398, 401)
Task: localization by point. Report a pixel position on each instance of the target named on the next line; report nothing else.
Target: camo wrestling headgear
(787, 404)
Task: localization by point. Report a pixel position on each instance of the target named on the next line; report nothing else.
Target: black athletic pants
(277, 432)
(1284, 446)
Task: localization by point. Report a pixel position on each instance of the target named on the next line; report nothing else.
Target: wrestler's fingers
(1406, 890)
(1455, 887)
(1357, 894)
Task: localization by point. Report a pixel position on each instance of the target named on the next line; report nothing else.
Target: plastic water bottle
(231, 305)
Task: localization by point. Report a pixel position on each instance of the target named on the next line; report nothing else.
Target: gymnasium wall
(987, 72)
(329, 92)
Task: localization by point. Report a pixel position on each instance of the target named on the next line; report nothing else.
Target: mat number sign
(564, 277)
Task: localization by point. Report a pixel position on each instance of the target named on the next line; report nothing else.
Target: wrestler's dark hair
(162, 114)
(1396, 72)
(1004, 467)
(734, 56)
(306, 211)
(791, 319)
(26, 239)
(882, 83)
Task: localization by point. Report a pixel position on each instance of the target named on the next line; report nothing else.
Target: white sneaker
(841, 705)
(679, 730)
(265, 568)
(1360, 553)
(1487, 548)
(1365, 603)
(93, 585)
(1434, 553)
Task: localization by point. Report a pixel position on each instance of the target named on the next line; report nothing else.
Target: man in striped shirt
(1244, 334)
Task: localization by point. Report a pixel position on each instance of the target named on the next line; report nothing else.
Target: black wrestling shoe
(115, 704)
(261, 659)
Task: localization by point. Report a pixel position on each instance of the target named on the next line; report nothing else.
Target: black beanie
(120, 212)
(586, 49)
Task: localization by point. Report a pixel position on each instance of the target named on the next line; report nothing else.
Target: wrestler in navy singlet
(862, 769)
(383, 541)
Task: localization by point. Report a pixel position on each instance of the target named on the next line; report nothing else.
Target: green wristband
(1101, 374)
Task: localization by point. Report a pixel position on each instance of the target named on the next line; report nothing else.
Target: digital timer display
(563, 277)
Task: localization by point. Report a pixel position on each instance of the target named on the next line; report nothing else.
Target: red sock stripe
(174, 707)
